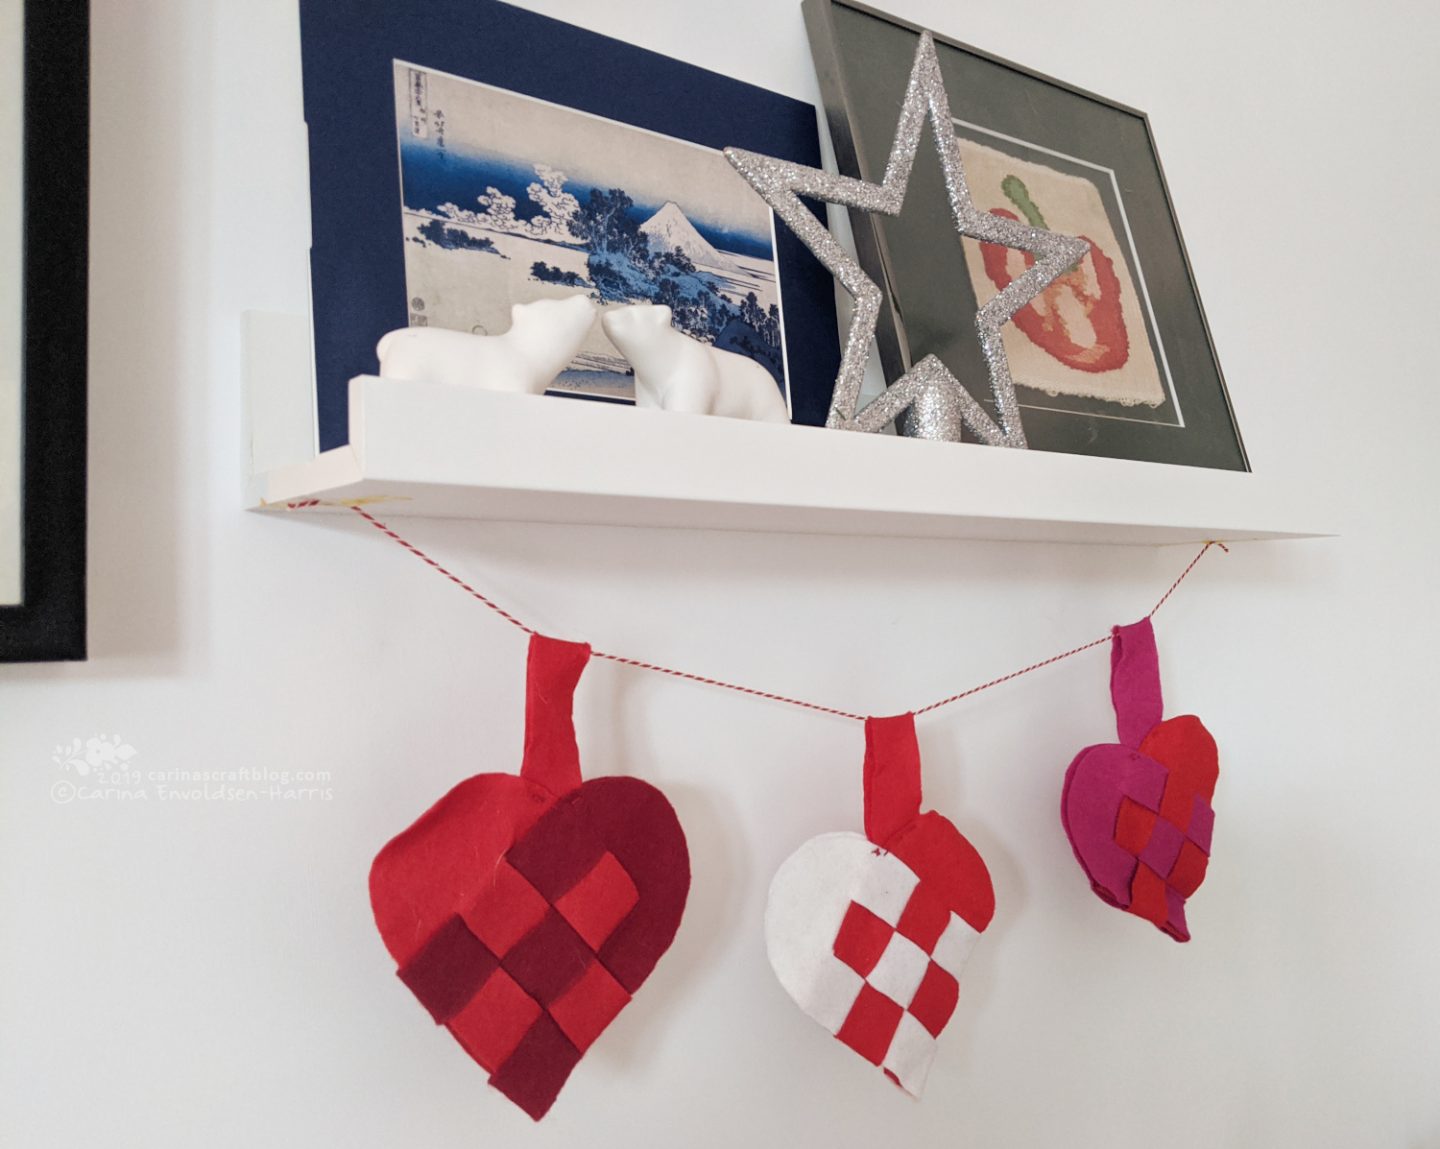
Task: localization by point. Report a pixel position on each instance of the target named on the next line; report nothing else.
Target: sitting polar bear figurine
(543, 337)
(677, 373)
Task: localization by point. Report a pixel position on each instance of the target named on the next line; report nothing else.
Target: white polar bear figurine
(677, 373)
(544, 336)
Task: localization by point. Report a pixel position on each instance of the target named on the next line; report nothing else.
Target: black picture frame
(49, 623)
(1040, 124)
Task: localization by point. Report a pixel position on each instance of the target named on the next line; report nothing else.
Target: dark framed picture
(44, 206)
(467, 155)
(1115, 358)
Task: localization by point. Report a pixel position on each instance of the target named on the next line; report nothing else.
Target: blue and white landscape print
(508, 199)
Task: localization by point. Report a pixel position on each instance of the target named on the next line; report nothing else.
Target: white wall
(176, 975)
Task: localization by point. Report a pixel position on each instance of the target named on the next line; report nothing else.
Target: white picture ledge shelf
(453, 452)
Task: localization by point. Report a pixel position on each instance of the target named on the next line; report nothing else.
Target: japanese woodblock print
(508, 199)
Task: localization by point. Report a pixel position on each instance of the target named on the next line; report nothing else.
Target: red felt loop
(1135, 681)
(552, 758)
(892, 776)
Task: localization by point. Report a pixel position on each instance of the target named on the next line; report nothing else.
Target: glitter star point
(939, 404)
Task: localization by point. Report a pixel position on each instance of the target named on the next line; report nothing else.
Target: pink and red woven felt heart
(1138, 812)
(869, 933)
(525, 910)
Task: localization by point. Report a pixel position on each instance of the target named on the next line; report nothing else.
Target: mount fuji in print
(669, 230)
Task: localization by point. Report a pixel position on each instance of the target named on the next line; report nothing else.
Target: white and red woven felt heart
(1138, 811)
(525, 910)
(869, 933)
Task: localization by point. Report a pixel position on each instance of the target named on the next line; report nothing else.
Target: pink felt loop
(892, 776)
(1135, 681)
(552, 759)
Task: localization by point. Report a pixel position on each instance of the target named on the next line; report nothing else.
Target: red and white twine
(738, 687)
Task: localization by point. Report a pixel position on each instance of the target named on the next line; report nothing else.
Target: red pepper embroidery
(1043, 320)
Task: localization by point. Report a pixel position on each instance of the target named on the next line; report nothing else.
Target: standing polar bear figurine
(677, 373)
(543, 337)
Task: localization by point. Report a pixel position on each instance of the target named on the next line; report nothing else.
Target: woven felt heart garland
(1138, 812)
(868, 933)
(525, 910)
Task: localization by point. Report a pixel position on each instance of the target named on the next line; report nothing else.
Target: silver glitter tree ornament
(938, 404)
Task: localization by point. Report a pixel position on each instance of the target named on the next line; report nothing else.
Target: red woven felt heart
(525, 910)
(869, 933)
(1138, 812)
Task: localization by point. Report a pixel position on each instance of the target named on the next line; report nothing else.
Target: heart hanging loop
(552, 758)
(1135, 681)
(892, 776)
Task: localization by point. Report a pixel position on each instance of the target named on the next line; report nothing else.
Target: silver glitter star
(938, 403)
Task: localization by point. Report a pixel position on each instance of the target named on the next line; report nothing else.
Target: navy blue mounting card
(466, 155)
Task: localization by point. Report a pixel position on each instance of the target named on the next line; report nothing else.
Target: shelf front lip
(463, 452)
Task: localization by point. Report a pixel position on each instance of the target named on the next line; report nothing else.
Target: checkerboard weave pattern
(524, 911)
(868, 950)
(905, 954)
(1170, 859)
(517, 977)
